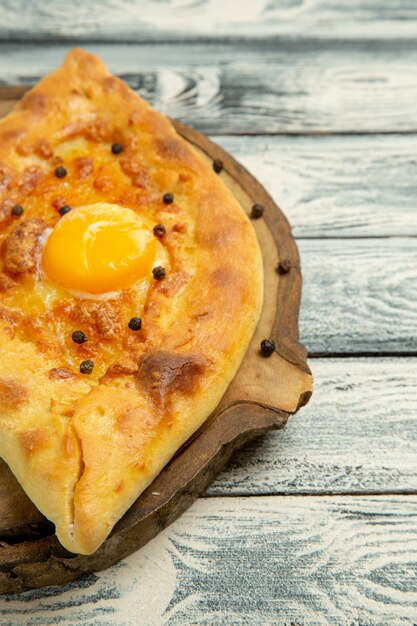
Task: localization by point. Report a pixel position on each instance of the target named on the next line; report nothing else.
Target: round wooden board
(261, 397)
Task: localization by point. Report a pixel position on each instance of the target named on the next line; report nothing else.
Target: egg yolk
(99, 248)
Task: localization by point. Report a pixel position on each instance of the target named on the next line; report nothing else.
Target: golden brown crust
(21, 248)
(103, 318)
(98, 441)
(162, 373)
(12, 394)
(60, 373)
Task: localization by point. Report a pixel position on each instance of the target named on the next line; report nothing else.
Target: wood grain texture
(179, 20)
(357, 186)
(261, 561)
(359, 296)
(289, 86)
(333, 445)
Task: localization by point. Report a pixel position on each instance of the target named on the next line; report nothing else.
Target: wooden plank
(360, 186)
(357, 435)
(359, 296)
(179, 20)
(263, 561)
(271, 87)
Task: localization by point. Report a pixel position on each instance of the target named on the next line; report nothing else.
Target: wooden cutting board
(263, 394)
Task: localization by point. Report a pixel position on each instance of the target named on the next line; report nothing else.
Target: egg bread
(130, 287)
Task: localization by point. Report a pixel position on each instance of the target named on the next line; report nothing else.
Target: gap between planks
(333, 237)
(308, 494)
(358, 354)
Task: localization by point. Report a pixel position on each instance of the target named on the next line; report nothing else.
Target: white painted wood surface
(171, 20)
(358, 434)
(356, 186)
(268, 87)
(258, 561)
(300, 548)
(359, 295)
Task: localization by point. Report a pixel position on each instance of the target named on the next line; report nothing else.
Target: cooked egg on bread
(131, 283)
(89, 273)
(100, 249)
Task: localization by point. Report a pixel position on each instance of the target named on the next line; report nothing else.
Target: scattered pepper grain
(168, 198)
(158, 272)
(17, 210)
(86, 367)
(135, 323)
(267, 347)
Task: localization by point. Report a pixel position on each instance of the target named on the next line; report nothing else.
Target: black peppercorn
(284, 266)
(168, 198)
(64, 209)
(116, 148)
(86, 367)
(257, 211)
(158, 273)
(17, 210)
(78, 336)
(218, 165)
(60, 172)
(159, 230)
(267, 347)
(135, 323)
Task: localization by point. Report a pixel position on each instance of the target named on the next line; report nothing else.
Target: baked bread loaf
(130, 287)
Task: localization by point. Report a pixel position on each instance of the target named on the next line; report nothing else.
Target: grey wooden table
(316, 524)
